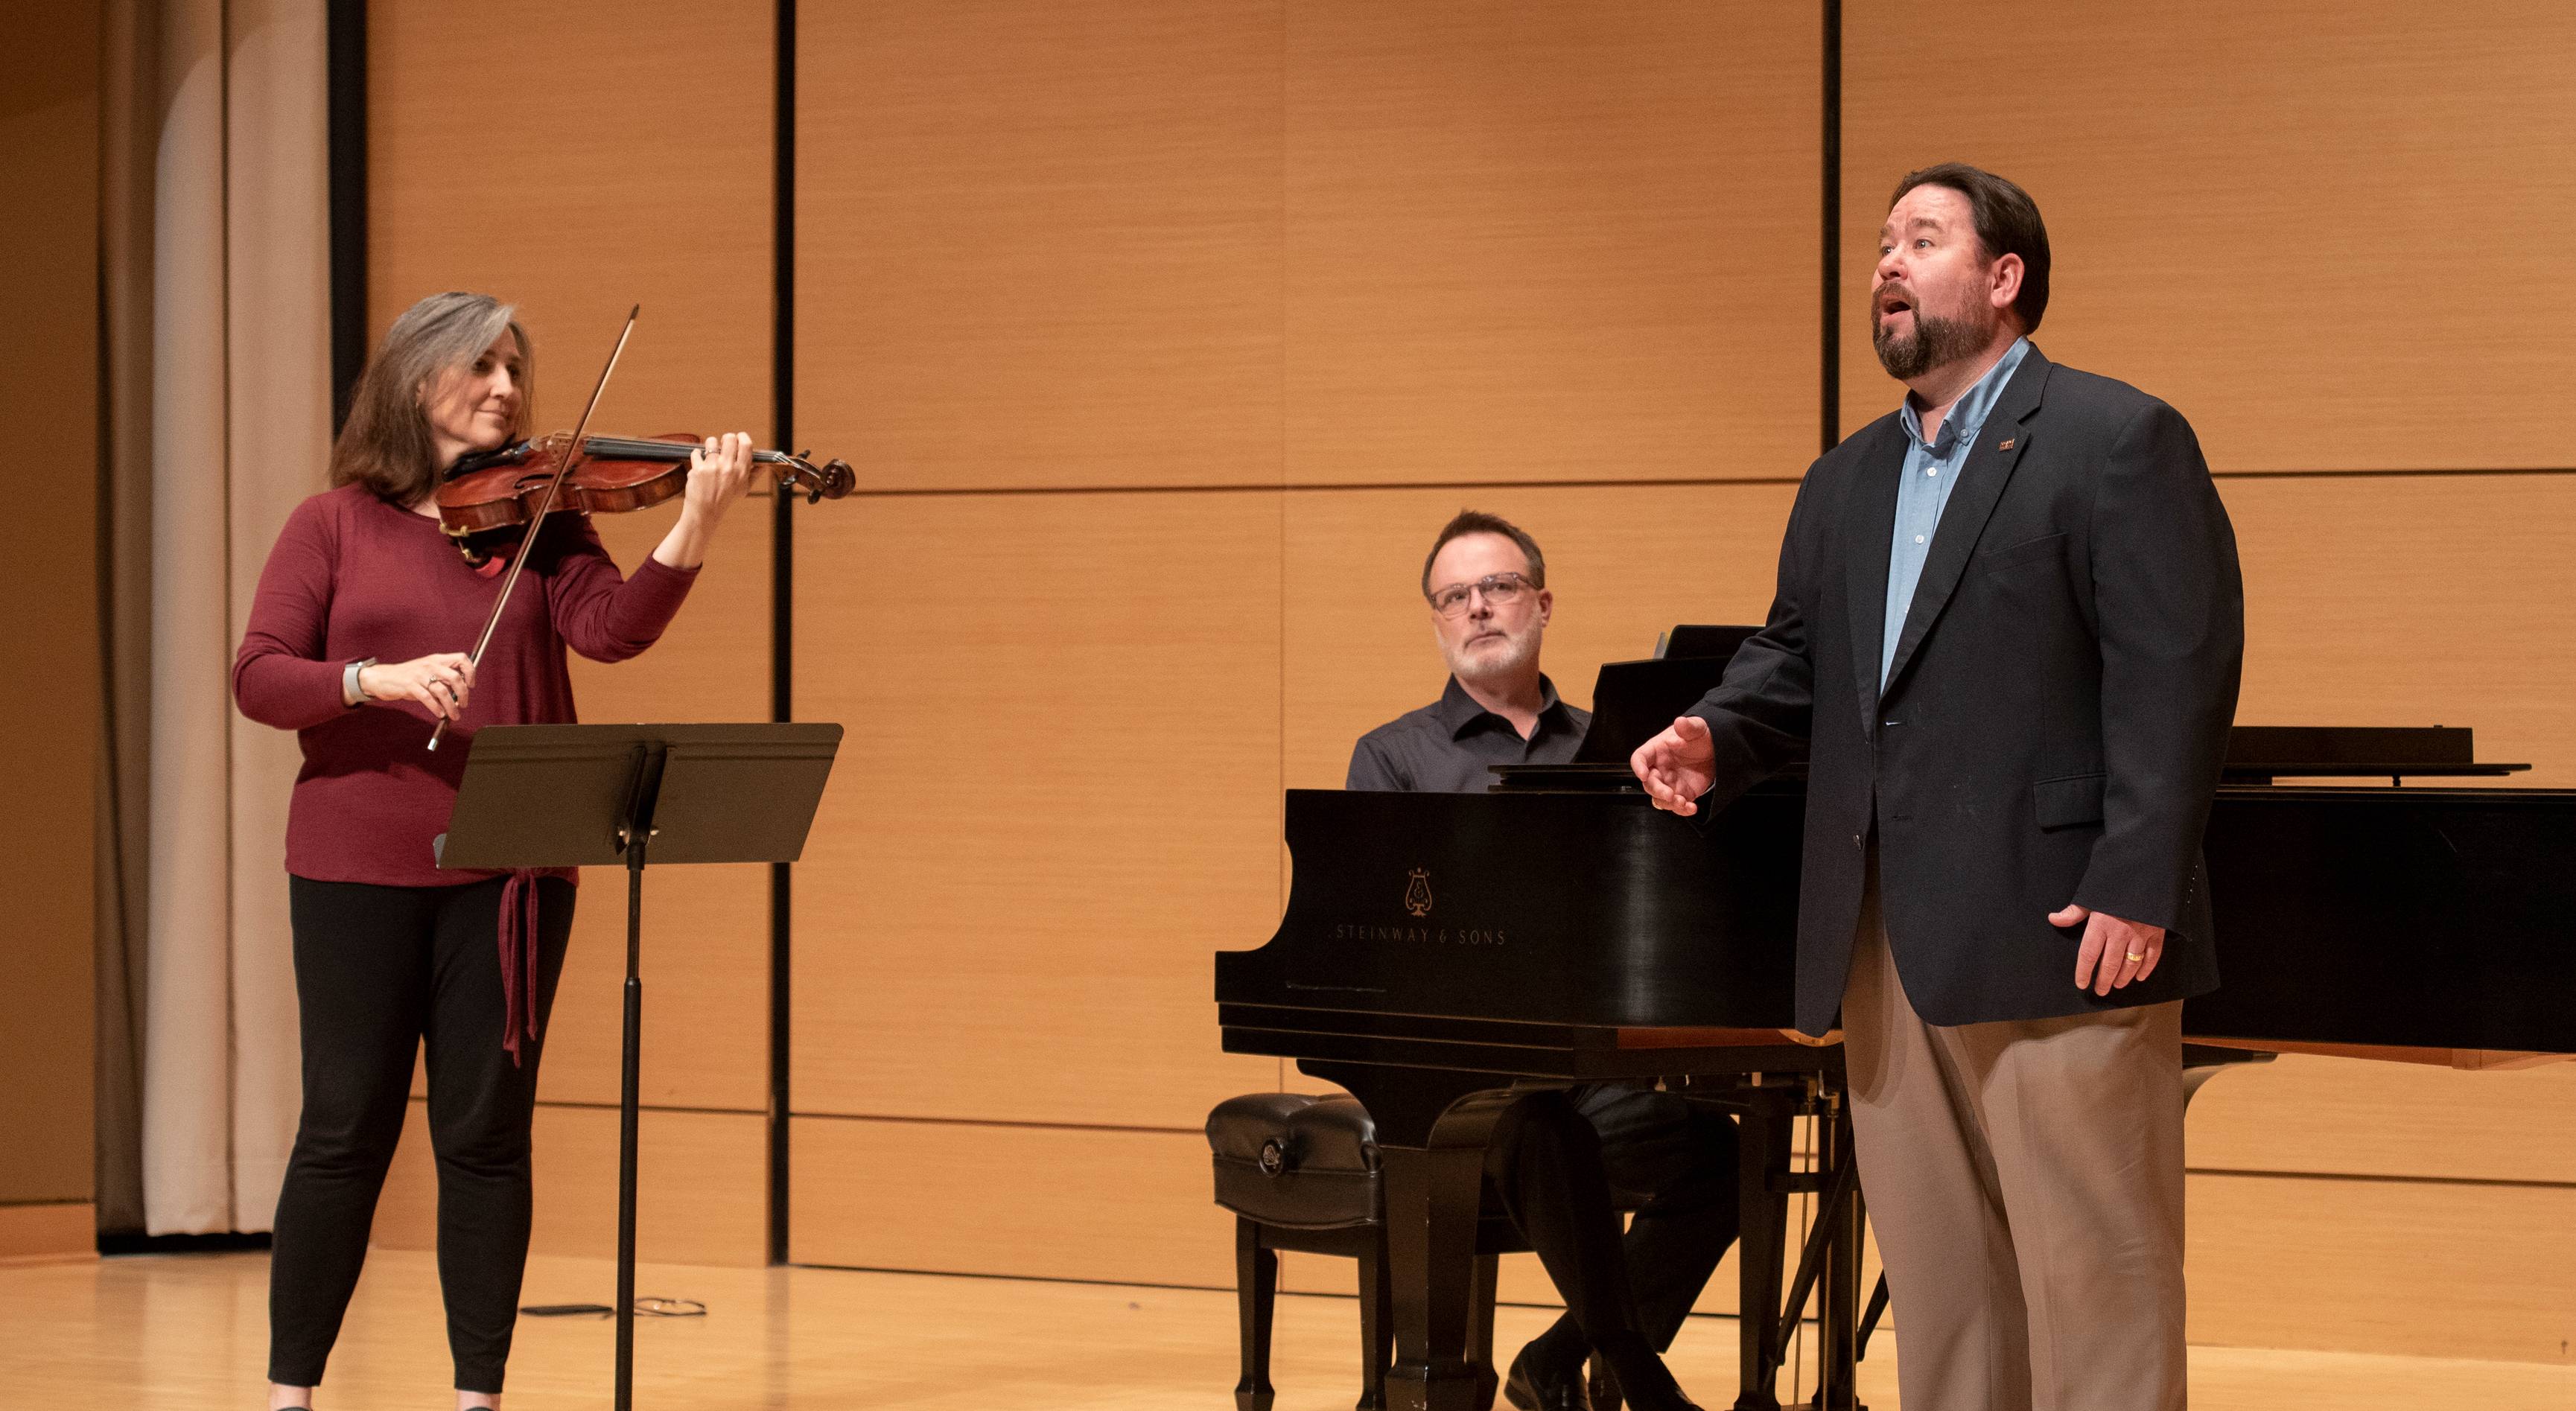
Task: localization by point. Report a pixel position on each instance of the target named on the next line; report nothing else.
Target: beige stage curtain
(238, 431)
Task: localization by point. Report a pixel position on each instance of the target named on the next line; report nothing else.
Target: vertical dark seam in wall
(109, 822)
(782, 592)
(1829, 306)
(1282, 1083)
(345, 43)
(224, 321)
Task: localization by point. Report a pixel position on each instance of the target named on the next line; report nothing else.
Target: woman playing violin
(354, 642)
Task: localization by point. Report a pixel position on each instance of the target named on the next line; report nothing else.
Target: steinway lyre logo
(1417, 893)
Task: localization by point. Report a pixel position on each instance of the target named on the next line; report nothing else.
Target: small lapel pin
(2004, 445)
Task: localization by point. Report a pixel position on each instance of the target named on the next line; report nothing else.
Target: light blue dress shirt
(1931, 471)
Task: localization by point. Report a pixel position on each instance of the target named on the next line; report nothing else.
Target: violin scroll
(834, 480)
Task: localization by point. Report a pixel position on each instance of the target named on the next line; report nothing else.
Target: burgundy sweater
(353, 577)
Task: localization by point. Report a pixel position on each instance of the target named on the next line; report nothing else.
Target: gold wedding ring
(2134, 956)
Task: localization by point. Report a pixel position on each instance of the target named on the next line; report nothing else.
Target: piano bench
(1300, 1173)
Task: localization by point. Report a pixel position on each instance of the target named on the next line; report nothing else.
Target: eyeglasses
(1500, 589)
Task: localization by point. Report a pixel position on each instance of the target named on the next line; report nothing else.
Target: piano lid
(1634, 700)
(2258, 754)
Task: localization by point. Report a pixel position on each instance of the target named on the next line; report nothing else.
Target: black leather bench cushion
(1294, 1160)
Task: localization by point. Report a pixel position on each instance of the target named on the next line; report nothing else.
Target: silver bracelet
(350, 695)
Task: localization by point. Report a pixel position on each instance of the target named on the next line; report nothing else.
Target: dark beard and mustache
(1936, 342)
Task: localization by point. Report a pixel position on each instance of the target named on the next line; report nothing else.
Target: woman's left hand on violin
(720, 472)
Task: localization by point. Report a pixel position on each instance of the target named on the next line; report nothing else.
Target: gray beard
(1937, 342)
(1522, 650)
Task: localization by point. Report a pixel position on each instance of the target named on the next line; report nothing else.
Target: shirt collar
(1973, 407)
(1457, 710)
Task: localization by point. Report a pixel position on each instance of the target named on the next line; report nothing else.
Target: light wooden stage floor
(189, 1333)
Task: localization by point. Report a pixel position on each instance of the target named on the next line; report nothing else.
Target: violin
(491, 492)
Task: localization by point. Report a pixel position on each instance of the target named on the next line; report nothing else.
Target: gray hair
(386, 444)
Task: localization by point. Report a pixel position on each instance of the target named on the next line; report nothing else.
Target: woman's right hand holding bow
(440, 681)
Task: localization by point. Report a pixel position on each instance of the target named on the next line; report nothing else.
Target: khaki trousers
(2024, 1181)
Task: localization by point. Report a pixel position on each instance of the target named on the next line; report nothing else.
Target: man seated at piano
(1562, 1162)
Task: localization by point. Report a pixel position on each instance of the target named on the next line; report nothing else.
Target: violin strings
(659, 450)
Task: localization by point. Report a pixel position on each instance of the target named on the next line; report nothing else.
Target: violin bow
(528, 540)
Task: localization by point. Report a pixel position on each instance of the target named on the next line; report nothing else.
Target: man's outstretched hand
(1677, 766)
(2115, 952)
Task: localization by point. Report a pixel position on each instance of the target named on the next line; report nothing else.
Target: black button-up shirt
(1445, 746)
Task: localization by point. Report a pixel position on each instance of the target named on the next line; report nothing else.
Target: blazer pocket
(2047, 548)
(2062, 803)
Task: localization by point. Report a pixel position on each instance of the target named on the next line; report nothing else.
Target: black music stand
(605, 795)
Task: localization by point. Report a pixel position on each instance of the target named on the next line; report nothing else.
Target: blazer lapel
(1869, 522)
(2000, 443)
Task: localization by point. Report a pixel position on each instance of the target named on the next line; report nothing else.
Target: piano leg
(1762, 1243)
(1377, 1338)
(1838, 1313)
(1480, 1328)
(1432, 1129)
(1829, 1264)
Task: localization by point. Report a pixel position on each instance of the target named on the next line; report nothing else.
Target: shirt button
(1931, 470)
(1918, 538)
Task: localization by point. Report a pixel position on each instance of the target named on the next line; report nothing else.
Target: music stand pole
(629, 1111)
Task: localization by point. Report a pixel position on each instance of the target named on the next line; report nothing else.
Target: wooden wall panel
(701, 1187)
(1625, 562)
(706, 929)
(495, 165)
(1035, 1202)
(2350, 1117)
(2274, 1261)
(2414, 600)
(1046, 1202)
(1548, 242)
(57, 1233)
(1039, 241)
(2317, 227)
(49, 718)
(2404, 1267)
(500, 168)
(706, 990)
(1059, 796)
(2385, 600)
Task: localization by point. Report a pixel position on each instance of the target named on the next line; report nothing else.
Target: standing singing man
(2007, 638)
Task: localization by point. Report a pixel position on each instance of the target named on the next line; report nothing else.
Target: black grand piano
(1442, 952)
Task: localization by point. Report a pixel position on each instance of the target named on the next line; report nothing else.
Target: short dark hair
(2007, 223)
(1479, 522)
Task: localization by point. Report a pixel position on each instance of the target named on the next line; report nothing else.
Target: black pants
(1564, 1164)
(380, 972)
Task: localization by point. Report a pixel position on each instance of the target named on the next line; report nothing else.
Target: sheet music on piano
(1632, 701)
